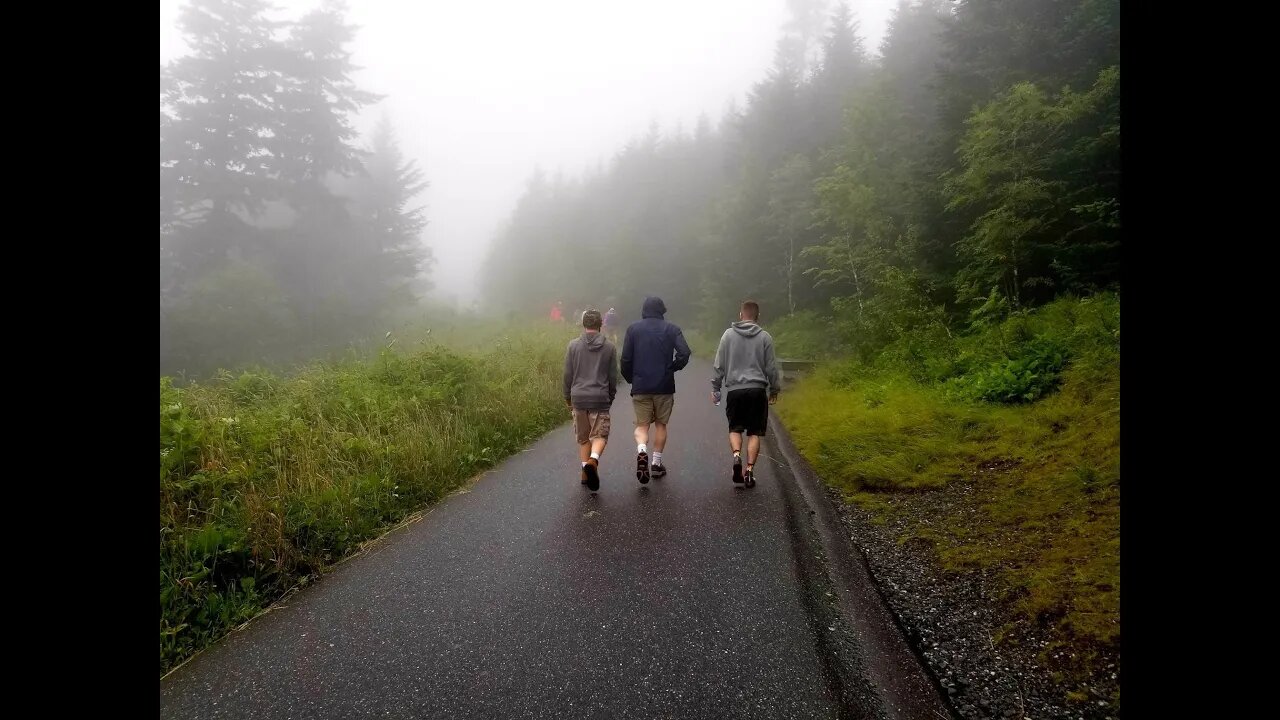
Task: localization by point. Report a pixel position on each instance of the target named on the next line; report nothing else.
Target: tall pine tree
(217, 116)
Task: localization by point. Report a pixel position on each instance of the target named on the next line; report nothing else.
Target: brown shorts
(653, 408)
(591, 424)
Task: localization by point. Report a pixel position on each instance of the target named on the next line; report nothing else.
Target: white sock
(642, 448)
(657, 458)
(584, 463)
(737, 453)
(595, 456)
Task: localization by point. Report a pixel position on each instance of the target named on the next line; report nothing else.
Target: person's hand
(715, 398)
(773, 399)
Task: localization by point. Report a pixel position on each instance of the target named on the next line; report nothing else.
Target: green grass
(804, 336)
(1047, 470)
(267, 480)
(703, 345)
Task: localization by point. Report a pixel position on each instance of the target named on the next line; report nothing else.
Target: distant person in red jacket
(556, 315)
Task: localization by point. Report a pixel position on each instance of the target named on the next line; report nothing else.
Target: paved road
(529, 597)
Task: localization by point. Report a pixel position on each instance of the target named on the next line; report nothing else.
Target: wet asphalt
(528, 596)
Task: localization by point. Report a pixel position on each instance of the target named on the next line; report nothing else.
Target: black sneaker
(737, 470)
(642, 468)
(750, 479)
(593, 474)
(658, 471)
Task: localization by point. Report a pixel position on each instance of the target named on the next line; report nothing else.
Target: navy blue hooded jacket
(653, 351)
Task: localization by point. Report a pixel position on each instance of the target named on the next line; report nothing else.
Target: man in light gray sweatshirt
(747, 370)
(590, 382)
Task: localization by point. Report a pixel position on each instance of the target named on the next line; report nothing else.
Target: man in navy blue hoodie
(652, 352)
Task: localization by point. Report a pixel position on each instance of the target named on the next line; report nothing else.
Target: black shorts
(748, 411)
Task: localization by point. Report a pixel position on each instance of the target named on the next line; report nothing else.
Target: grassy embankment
(267, 479)
(1029, 410)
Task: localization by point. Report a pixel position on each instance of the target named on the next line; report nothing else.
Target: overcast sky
(482, 92)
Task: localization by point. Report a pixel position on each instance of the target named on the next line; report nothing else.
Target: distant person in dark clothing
(653, 351)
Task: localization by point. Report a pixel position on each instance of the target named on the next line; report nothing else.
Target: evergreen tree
(216, 109)
(1043, 176)
(844, 70)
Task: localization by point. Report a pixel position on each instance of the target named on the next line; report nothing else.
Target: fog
(481, 94)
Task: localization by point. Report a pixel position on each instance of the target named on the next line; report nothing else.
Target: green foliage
(1030, 375)
(266, 480)
(1030, 166)
(235, 314)
(804, 336)
(1043, 512)
(897, 221)
(703, 345)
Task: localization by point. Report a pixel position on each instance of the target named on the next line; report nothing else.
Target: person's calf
(735, 445)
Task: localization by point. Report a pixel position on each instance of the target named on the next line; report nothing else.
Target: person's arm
(613, 372)
(683, 353)
(717, 367)
(771, 370)
(626, 357)
(568, 375)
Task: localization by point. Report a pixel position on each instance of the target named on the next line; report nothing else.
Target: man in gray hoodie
(747, 370)
(590, 382)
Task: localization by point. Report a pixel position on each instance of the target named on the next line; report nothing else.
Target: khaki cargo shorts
(591, 424)
(653, 408)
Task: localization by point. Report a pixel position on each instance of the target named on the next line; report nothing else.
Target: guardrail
(793, 368)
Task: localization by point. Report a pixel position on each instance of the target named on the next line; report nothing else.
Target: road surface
(527, 596)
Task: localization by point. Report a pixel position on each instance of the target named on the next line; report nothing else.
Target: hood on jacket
(653, 308)
(746, 328)
(593, 341)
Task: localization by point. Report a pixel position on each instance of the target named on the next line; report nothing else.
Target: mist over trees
(969, 167)
(972, 167)
(282, 234)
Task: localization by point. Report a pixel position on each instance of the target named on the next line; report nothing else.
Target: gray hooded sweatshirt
(745, 360)
(591, 372)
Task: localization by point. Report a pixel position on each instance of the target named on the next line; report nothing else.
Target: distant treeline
(280, 235)
(970, 170)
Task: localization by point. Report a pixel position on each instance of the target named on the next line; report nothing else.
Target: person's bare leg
(735, 444)
(753, 450)
(655, 452)
(590, 453)
(659, 437)
(642, 434)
